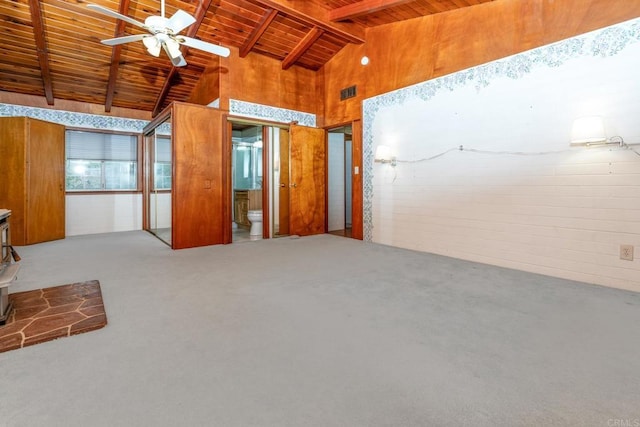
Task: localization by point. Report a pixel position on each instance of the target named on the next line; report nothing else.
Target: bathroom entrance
(340, 181)
(247, 179)
(278, 174)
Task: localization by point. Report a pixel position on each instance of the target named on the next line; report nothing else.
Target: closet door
(307, 181)
(45, 219)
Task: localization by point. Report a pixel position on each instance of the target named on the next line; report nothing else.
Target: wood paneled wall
(343, 71)
(409, 52)
(208, 87)
(262, 80)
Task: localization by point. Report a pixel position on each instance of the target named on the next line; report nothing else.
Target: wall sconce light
(384, 155)
(588, 131)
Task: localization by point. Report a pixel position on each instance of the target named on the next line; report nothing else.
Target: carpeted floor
(47, 314)
(321, 331)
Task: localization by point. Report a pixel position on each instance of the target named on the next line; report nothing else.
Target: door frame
(266, 155)
(357, 205)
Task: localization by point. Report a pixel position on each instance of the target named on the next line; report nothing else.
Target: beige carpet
(320, 331)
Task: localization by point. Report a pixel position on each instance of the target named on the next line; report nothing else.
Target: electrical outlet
(626, 252)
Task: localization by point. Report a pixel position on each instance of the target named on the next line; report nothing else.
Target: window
(162, 164)
(101, 161)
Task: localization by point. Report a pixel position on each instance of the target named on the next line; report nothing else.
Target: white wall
(517, 195)
(102, 213)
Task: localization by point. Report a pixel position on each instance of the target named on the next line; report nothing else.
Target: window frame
(139, 163)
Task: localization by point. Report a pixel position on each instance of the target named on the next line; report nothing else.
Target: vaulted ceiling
(52, 48)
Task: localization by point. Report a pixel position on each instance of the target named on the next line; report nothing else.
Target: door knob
(283, 185)
(294, 185)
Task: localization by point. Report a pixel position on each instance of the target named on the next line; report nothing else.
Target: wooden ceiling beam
(364, 7)
(257, 32)
(41, 46)
(304, 45)
(312, 14)
(201, 11)
(115, 57)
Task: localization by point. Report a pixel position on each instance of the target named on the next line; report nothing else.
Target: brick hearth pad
(51, 313)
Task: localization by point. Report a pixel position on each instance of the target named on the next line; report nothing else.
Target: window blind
(81, 145)
(163, 149)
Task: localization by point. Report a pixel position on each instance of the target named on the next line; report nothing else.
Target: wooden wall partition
(199, 196)
(261, 80)
(208, 87)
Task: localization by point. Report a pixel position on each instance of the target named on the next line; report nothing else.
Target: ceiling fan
(163, 33)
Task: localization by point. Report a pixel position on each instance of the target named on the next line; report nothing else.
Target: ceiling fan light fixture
(152, 45)
(173, 47)
(163, 34)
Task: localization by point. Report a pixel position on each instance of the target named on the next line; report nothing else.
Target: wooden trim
(115, 58)
(302, 47)
(157, 120)
(357, 199)
(351, 33)
(326, 180)
(140, 162)
(227, 179)
(364, 7)
(258, 122)
(257, 32)
(41, 45)
(100, 192)
(94, 130)
(357, 210)
(266, 184)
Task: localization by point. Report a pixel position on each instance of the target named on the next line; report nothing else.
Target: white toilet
(255, 217)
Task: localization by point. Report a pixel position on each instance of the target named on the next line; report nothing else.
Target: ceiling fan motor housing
(158, 24)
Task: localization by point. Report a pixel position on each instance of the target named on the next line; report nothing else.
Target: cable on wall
(512, 153)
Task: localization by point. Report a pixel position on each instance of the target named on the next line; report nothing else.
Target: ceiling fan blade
(207, 47)
(176, 60)
(116, 15)
(179, 21)
(122, 40)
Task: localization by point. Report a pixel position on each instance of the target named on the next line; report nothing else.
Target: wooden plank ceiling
(52, 48)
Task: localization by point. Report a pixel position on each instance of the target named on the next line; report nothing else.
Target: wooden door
(307, 181)
(45, 218)
(283, 199)
(13, 176)
(200, 194)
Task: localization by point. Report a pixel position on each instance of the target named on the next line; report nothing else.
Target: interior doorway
(247, 181)
(340, 181)
(260, 180)
(278, 174)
